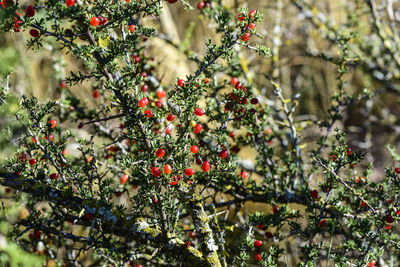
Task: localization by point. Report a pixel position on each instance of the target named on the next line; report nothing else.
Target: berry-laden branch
(139, 230)
(150, 168)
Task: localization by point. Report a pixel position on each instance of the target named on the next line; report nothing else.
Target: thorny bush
(159, 179)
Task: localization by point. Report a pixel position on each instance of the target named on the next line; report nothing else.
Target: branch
(127, 227)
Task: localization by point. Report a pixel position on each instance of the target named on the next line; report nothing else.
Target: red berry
(32, 162)
(189, 172)
(244, 174)
(96, 94)
(136, 59)
(30, 11)
(143, 74)
(102, 20)
(234, 81)
(275, 209)
(124, 178)
(200, 5)
(258, 257)
(322, 224)
(314, 194)
(237, 85)
(252, 13)
(257, 243)
(223, 154)
(143, 102)
(132, 28)
(197, 128)
(241, 17)
(94, 21)
(194, 149)
(254, 101)
(53, 176)
(192, 234)
(372, 263)
(156, 171)
(16, 27)
(170, 117)
(172, 1)
(268, 235)
(52, 123)
(251, 26)
(161, 93)
(160, 153)
(63, 84)
(246, 36)
(34, 33)
(206, 166)
(158, 104)
(145, 88)
(181, 82)
(198, 112)
(148, 113)
(70, 3)
(187, 243)
(389, 218)
(23, 157)
(397, 170)
(168, 130)
(167, 169)
(37, 234)
(51, 137)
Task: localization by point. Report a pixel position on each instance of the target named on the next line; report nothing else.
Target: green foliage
(9, 59)
(114, 201)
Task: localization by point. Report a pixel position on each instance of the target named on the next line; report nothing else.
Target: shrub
(158, 174)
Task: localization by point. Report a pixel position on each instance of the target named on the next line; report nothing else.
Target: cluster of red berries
(203, 4)
(97, 21)
(243, 174)
(314, 194)
(258, 243)
(241, 17)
